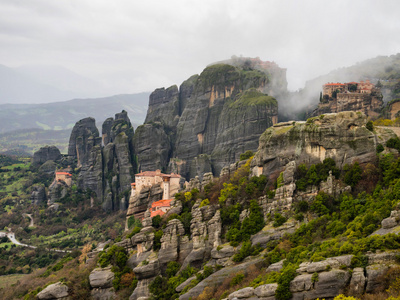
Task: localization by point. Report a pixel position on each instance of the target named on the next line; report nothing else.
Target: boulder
(301, 283)
(46, 153)
(266, 290)
(54, 291)
(389, 223)
(242, 293)
(101, 278)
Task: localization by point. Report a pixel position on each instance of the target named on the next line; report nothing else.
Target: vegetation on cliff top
(224, 75)
(253, 97)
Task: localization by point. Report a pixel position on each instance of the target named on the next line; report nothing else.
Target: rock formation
(342, 137)
(100, 280)
(38, 195)
(333, 278)
(46, 153)
(370, 104)
(210, 120)
(54, 291)
(107, 164)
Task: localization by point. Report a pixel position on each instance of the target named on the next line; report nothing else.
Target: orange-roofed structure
(362, 87)
(159, 208)
(64, 177)
(330, 87)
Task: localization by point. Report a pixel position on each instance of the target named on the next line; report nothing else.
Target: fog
(133, 46)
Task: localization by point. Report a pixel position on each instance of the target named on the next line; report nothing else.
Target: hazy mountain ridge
(63, 115)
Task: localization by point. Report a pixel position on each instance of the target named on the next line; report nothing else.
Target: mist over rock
(211, 119)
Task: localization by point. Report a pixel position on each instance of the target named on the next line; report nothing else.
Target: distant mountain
(64, 115)
(16, 87)
(64, 79)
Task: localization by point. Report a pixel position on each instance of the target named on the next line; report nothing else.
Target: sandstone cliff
(210, 120)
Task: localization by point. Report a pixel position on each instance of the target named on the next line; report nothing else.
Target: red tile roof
(162, 203)
(63, 173)
(157, 213)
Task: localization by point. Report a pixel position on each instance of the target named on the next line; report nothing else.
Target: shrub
(379, 148)
(156, 221)
(283, 290)
(246, 250)
(246, 155)
(237, 279)
(353, 174)
(359, 260)
(157, 240)
(279, 220)
(370, 126)
(172, 268)
(205, 202)
(314, 277)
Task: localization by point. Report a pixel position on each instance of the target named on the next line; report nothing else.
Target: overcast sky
(133, 46)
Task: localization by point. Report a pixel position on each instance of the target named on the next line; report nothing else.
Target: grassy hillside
(28, 141)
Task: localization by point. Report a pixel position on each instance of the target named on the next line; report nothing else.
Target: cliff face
(208, 122)
(342, 137)
(107, 164)
(371, 105)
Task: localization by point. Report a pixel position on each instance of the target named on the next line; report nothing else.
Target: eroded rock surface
(54, 291)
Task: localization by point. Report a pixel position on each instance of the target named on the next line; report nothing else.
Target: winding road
(30, 217)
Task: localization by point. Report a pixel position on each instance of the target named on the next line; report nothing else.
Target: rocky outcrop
(164, 106)
(370, 104)
(206, 228)
(107, 164)
(217, 278)
(327, 279)
(140, 202)
(392, 221)
(46, 153)
(38, 195)
(83, 138)
(273, 234)
(153, 146)
(145, 272)
(342, 137)
(174, 244)
(54, 291)
(210, 120)
(101, 278)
